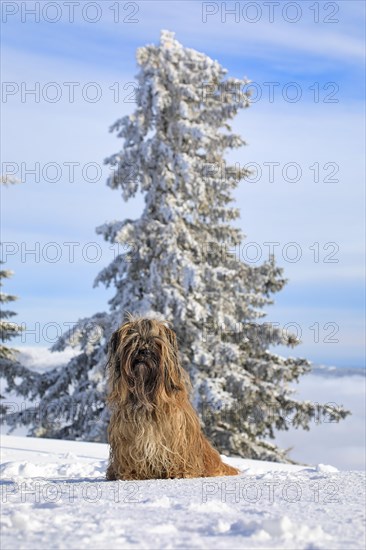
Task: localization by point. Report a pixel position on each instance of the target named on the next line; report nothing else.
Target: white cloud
(340, 444)
(262, 39)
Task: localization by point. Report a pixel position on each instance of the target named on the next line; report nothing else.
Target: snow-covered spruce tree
(10, 368)
(177, 262)
(18, 378)
(8, 329)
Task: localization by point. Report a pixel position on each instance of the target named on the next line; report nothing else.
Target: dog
(154, 431)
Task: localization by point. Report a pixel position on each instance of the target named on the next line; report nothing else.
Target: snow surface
(54, 495)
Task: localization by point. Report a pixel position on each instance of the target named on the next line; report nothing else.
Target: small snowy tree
(8, 330)
(17, 377)
(10, 368)
(178, 261)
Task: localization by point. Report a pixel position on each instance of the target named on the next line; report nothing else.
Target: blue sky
(324, 130)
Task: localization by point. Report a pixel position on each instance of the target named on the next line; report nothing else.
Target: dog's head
(143, 363)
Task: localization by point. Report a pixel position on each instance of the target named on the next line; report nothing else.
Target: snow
(42, 359)
(54, 495)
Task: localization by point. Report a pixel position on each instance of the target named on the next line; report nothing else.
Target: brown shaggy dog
(154, 431)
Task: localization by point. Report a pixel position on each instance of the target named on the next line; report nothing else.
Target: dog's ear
(173, 379)
(113, 342)
(113, 363)
(172, 338)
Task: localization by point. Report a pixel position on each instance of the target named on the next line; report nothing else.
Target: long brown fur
(154, 432)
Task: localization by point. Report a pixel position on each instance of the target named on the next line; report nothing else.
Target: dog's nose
(143, 352)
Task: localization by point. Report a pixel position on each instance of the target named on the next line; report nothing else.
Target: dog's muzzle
(143, 359)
